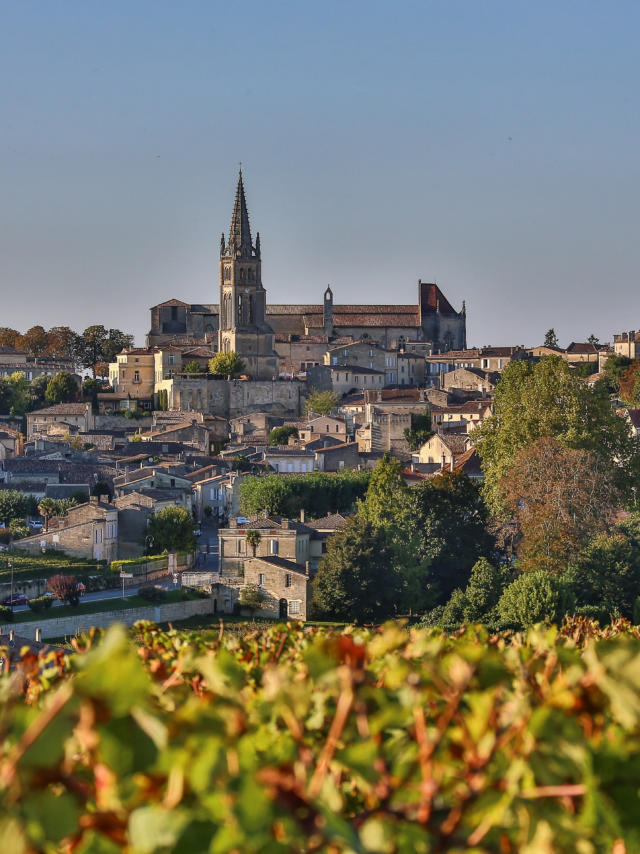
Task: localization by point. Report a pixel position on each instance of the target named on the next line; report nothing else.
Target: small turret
(327, 312)
(257, 244)
(222, 245)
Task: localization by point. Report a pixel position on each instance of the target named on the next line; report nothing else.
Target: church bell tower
(243, 326)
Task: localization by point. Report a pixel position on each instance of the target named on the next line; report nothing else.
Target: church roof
(240, 232)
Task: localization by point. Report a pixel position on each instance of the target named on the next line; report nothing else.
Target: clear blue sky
(492, 146)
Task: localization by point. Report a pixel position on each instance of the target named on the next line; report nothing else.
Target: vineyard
(292, 739)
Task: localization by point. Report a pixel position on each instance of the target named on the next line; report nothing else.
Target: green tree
(613, 371)
(253, 538)
(61, 389)
(321, 402)
(192, 367)
(606, 573)
(534, 597)
(37, 391)
(547, 399)
(97, 344)
(13, 505)
(18, 529)
(356, 580)
(593, 339)
(384, 501)
(446, 518)
(420, 430)
(102, 488)
(172, 530)
(483, 591)
(251, 598)
(280, 435)
(317, 493)
(227, 365)
(15, 396)
(550, 338)
(116, 341)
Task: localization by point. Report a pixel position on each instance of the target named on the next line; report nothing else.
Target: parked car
(36, 524)
(18, 599)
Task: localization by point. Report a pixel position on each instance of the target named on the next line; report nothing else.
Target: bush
(40, 603)
(6, 614)
(533, 597)
(152, 594)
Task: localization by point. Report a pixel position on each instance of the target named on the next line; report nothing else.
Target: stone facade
(283, 538)
(284, 585)
(76, 416)
(133, 374)
(216, 396)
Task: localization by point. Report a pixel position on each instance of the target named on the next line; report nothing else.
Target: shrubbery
(292, 739)
(6, 614)
(40, 603)
(152, 594)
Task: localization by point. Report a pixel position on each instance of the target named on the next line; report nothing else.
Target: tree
(227, 365)
(102, 488)
(593, 339)
(64, 588)
(13, 505)
(96, 344)
(61, 389)
(446, 517)
(280, 435)
(37, 391)
(385, 493)
(550, 338)
(614, 369)
(47, 508)
(172, 529)
(62, 342)
(254, 539)
(192, 367)
(35, 341)
(629, 384)
(606, 573)
(15, 394)
(547, 399)
(18, 529)
(534, 597)
(561, 497)
(483, 591)
(9, 337)
(321, 402)
(420, 430)
(317, 493)
(357, 580)
(251, 598)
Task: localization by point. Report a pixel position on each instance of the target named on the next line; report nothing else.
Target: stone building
(76, 416)
(285, 586)
(133, 374)
(88, 531)
(288, 336)
(284, 538)
(19, 361)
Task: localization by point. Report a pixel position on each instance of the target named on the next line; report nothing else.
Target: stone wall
(67, 626)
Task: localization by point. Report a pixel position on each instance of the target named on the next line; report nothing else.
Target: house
(11, 443)
(627, 344)
(88, 531)
(187, 432)
(279, 537)
(133, 374)
(285, 586)
(253, 427)
(493, 359)
(144, 478)
(337, 457)
(323, 529)
(461, 417)
(135, 508)
(219, 492)
(322, 425)
(441, 450)
(289, 459)
(471, 380)
(68, 415)
(14, 361)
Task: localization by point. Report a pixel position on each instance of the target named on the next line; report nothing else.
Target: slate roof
(328, 523)
(280, 562)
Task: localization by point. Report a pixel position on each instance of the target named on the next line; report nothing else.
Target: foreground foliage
(296, 739)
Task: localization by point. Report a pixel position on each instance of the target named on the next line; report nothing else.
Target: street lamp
(10, 566)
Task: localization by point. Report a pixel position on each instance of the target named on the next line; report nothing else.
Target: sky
(491, 147)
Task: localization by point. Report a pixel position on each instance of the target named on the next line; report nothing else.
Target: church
(265, 336)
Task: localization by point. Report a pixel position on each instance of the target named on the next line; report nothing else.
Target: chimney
(444, 462)
(38, 635)
(12, 634)
(93, 499)
(265, 515)
(302, 515)
(285, 524)
(307, 568)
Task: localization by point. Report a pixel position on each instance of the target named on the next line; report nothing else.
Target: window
(261, 579)
(294, 606)
(273, 547)
(287, 580)
(136, 376)
(171, 358)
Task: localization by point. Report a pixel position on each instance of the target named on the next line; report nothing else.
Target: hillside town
(98, 437)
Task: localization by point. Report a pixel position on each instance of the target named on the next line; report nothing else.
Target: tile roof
(280, 562)
(63, 409)
(328, 523)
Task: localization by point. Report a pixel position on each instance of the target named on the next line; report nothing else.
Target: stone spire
(240, 232)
